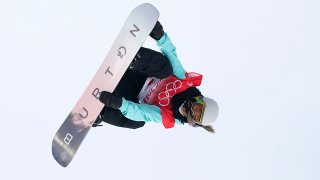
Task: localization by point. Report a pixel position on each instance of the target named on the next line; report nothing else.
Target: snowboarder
(156, 88)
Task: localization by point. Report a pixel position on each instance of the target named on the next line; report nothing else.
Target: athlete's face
(196, 112)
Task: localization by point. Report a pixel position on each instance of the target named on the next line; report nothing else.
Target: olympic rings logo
(171, 90)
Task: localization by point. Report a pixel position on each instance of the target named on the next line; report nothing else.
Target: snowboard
(74, 129)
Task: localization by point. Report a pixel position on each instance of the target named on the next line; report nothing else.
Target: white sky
(260, 61)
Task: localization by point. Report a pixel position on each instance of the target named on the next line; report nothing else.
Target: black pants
(149, 64)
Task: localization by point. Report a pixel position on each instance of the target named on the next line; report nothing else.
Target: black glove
(157, 32)
(110, 100)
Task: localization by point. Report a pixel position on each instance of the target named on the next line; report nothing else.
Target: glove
(157, 32)
(110, 100)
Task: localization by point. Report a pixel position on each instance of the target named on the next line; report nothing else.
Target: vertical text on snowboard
(122, 50)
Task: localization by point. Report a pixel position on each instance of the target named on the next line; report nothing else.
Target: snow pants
(149, 63)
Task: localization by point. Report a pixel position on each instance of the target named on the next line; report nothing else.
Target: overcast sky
(260, 60)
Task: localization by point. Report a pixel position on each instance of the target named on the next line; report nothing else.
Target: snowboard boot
(98, 121)
(134, 64)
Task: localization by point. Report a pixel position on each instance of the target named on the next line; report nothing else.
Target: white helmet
(210, 112)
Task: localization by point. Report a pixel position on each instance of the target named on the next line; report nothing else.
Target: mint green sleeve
(169, 50)
(142, 112)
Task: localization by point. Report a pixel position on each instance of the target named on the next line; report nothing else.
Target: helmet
(209, 111)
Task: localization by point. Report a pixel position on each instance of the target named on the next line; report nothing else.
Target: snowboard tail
(74, 129)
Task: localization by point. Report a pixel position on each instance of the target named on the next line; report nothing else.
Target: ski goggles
(201, 105)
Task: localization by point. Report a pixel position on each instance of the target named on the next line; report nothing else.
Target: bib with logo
(160, 92)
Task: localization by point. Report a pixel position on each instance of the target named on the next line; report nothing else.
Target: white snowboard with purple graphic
(134, 32)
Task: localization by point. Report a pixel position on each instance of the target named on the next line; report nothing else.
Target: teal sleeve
(142, 112)
(169, 50)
